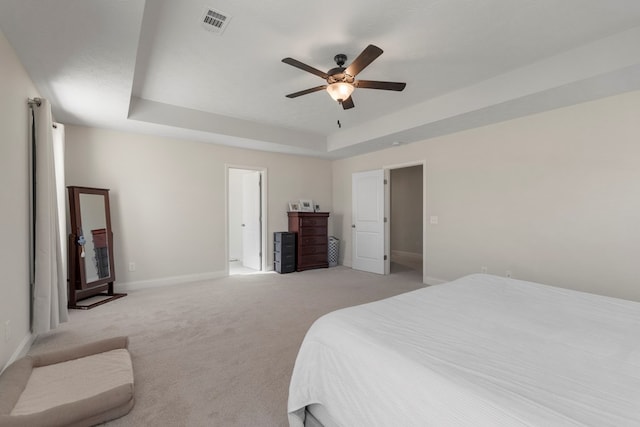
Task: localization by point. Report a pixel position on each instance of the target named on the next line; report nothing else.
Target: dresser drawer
(284, 257)
(312, 231)
(313, 250)
(313, 222)
(289, 267)
(319, 260)
(313, 240)
(284, 238)
(284, 247)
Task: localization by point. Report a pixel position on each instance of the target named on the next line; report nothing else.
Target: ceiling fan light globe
(340, 91)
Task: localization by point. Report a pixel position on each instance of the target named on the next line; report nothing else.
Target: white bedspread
(479, 351)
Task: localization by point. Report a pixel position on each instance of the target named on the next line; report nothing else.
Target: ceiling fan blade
(373, 84)
(348, 103)
(365, 58)
(305, 67)
(306, 91)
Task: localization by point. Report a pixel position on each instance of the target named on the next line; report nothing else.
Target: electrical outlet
(7, 330)
(483, 270)
(508, 273)
(132, 266)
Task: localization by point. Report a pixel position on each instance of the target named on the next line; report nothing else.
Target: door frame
(387, 213)
(263, 213)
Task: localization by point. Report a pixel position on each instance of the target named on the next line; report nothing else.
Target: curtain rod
(34, 101)
(37, 102)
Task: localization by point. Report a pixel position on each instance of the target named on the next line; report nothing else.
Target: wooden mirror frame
(78, 286)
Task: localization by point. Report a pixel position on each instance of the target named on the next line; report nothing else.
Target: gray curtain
(49, 287)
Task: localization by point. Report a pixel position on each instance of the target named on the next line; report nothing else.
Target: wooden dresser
(312, 241)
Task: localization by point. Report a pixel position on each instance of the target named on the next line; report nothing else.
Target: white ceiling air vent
(214, 20)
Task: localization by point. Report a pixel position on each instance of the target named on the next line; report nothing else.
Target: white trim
(265, 220)
(434, 281)
(226, 219)
(411, 255)
(169, 281)
(425, 279)
(22, 350)
(387, 223)
(406, 165)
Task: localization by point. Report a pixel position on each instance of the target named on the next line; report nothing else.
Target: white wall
(553, 197)
(15, 88)
(168, 198)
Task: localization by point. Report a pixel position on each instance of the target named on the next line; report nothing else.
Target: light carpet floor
(221, 352)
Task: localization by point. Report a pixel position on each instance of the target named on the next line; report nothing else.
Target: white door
(251, 231)
(367, 233)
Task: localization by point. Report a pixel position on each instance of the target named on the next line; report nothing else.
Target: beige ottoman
(79, 386)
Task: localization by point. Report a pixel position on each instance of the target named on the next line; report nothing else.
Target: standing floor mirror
(91, 268)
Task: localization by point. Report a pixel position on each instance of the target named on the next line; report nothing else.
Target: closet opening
(405, 231)
(245, 211)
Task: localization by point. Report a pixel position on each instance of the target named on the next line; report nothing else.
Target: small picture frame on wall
(294, 207)
(306, 205)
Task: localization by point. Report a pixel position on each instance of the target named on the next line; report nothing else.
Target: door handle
(353, 226)
(243, 225)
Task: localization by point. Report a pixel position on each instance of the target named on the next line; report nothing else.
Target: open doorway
(388, 220)
(245, 219)
(406, 220)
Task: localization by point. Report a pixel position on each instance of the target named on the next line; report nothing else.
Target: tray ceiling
(152, 67)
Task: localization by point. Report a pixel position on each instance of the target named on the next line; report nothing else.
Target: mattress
(479, 351)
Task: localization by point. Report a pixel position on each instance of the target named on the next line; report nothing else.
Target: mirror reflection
(94, 231)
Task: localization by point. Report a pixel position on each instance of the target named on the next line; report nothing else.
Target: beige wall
(15, 88)
(168, 198)
(552, 197)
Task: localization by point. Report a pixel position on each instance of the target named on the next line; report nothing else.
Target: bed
(478, 351)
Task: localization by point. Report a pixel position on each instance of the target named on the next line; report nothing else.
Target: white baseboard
(434, 280)
(22, 349)
(168, 281)
(407, 255)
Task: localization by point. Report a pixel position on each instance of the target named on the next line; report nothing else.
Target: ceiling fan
(341, 81)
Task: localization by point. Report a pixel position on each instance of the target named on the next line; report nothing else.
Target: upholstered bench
(79, 386)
